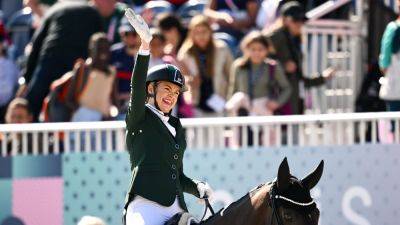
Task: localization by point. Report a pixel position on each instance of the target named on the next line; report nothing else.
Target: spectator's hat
(125, 26)
(294, 10)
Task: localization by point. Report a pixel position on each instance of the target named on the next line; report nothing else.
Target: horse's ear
(312, 179)
(283, 175)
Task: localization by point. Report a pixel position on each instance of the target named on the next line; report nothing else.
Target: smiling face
(167, 95)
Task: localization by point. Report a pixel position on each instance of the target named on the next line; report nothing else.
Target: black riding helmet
(166, 72)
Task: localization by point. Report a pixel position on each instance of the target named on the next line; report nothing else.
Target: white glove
(204, 189)
(139, 24)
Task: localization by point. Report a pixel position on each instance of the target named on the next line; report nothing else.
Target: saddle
(182, 218)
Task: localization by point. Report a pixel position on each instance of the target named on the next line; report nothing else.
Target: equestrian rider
(155, 140)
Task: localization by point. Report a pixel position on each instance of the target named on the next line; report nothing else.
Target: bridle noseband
(273, 197)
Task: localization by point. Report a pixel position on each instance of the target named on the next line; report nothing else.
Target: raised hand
(139, 24)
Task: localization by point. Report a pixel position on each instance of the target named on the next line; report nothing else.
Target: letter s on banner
(348, 212)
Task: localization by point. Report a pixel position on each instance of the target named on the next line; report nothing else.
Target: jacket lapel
(162, 128)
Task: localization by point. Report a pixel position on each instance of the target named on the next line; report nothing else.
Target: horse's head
(290, 197)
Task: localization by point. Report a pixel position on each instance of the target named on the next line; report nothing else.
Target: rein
(207, 206)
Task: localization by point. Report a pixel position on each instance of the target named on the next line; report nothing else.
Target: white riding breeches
(142, 211)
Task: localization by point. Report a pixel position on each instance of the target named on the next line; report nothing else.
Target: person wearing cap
(122, 56)
(286, 45)
(155, 140)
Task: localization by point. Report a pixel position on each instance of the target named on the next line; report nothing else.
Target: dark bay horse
(286, 201)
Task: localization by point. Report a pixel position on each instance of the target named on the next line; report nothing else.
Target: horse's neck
(254, 210)
(262, 209)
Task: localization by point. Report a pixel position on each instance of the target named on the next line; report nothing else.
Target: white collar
(160, 114)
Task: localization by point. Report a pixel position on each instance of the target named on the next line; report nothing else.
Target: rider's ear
(312, 179)
(283, 175)
(150, 89)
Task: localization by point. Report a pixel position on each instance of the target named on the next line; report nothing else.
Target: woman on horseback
(155, 140)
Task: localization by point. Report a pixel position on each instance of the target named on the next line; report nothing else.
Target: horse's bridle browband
(294, 202)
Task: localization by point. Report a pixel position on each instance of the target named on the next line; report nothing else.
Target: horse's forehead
(297, 186)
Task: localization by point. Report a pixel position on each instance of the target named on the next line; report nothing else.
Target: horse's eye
(287, 217)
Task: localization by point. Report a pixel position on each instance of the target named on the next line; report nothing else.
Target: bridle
(272, 202)
(273, 197)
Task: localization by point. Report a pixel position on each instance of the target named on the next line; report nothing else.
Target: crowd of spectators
(72, 60)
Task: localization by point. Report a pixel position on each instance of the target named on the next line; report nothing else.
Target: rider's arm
(136, 107)
(188, 185)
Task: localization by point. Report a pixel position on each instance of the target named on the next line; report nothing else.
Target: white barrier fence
(209, 133)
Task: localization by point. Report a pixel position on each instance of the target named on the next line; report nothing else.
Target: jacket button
(140, 131)
(177, 146)
(173, 166)
(173, 176)
(175, 156)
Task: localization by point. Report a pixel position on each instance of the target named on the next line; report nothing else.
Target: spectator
(208, 61)
(254, 79)
(91, 220)
(61, 39)
(8, 78)
(368, 99)
(157, 46)
(18, 113)
(389, 62)
(122, 57)
(286, 42)
(112, 13)
(24, 22)
(233, 16)
(174, 32)
(95, 101)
